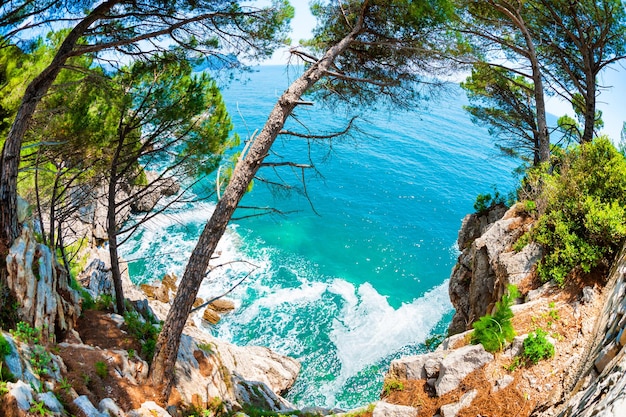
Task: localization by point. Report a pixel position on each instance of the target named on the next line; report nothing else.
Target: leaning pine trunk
(164, 361)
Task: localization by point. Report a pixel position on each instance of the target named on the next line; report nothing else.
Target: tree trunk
(164, 361)
(116, 274)
(590, 108)
(542, 137)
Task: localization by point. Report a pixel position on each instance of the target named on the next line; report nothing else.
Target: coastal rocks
(211, 316)
(41, 288)
(414, 367)
(487, 264)
(212, 313)
(207, 367)
(443, 370)
(163, 291)
(383, 409)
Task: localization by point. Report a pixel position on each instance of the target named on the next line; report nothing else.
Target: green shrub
(493, 331)
(5, 347)
(434, 341)
(145, 331)
(104, 302)
(25, 333)
(583, 216)
(39, 408)
(486, 201)
(41, 360)
(537, 347)
(102, 370)
(391, 385)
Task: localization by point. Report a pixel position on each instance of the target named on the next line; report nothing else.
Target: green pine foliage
(494, 331)
(583, 220)
(537, 347)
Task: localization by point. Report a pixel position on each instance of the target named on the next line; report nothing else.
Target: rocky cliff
(583, 320)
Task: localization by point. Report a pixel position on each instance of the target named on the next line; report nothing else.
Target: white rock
(383, 409)
(51, 402)
(108, 406)
(22, 392)
(117, 319)
(87, 407)
(149, 409)
(22, 209)
(503, 382)
(414, 367)
(458, 364)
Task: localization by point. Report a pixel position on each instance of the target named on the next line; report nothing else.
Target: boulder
(261, 396)
(22, 392)
(458, 364)
(108, 406)
(51, 402)
(97, 279)
(211, 316)
(222, 305)
(88, 408)
(502, 383)
(414, 367)
(383, 409)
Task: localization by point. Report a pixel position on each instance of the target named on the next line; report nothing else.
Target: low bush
(582, 204)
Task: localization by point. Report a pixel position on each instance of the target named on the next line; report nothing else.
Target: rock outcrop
(40, 286)
(487, 263)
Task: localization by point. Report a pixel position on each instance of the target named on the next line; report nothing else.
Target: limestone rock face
(97, 279)
(487, 264)
(41, 286)
(233, 373)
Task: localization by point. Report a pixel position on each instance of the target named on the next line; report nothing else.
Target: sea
(341, 253)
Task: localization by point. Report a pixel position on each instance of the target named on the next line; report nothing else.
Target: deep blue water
(354, 272)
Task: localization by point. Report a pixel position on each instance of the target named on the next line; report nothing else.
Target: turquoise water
(354, 271)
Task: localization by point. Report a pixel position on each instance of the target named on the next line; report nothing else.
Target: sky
(612, 101)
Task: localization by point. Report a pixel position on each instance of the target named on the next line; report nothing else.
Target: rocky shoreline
(587, 322)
